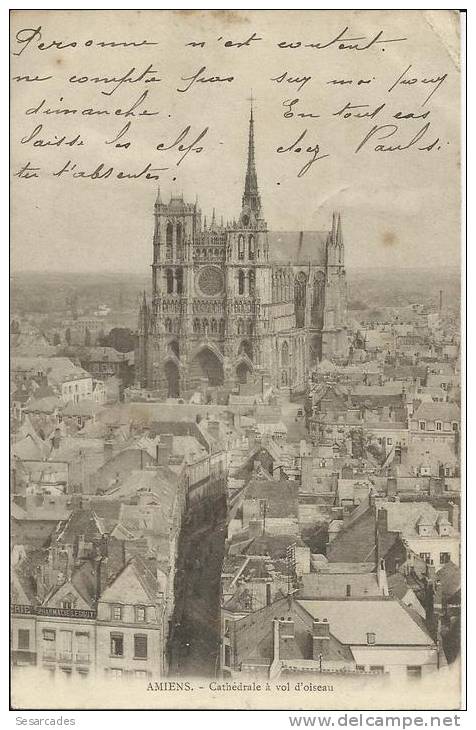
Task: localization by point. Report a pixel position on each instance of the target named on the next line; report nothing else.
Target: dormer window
(422, 425)
(439, 426)
(454, 426)
(116, 613)
(370, 638)
(140, 614)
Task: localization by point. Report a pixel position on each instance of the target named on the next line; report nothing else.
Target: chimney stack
(213, 428)
(108, 448)
(164, 449)
(306, 472)
(453, 515)
(56, 440)
(320, 639)
(286, 638)
(251, 436)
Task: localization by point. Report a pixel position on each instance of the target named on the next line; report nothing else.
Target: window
(227, 660)
(252, 282)
(444, 558)
(116, 613)
(140, 646)
(454, 426)
(425, 556)
(227, 625)
(370, 638)
(241, 248)
(140, 614)
(376, 668)
(170, 281)
(439, 425)
(389, 441)
(23, 639)
(117, 645)
(66, 645)
(140, 673)
(241, 282)
(49, 635)
(414, 671)
(66, 604)
(422, 425)
(359, 668)
(116, 673)
(251, 247)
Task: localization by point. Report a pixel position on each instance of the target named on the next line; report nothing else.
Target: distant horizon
(125, 272)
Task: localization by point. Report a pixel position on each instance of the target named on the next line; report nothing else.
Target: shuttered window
(140, 646)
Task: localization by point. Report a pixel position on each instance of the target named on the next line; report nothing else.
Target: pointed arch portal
(206, 364)
(242, 372)
(173, 379)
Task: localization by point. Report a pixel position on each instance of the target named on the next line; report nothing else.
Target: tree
(56, 339)
(14, 327)
(121, 339)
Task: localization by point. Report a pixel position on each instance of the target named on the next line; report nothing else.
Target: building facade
(236, 301)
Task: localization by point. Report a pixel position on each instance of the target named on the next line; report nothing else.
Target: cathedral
(236, 302)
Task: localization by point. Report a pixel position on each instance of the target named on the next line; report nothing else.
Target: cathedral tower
(236, 303)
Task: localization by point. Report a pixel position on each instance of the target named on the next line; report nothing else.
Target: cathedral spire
(339, 238)
(334, 229)
(251, 198)
(158, 199)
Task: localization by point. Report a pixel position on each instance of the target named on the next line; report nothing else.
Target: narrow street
(195, 643)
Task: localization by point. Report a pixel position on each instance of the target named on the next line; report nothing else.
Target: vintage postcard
(236, 419)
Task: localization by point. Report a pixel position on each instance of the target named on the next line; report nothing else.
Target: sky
(399, 209)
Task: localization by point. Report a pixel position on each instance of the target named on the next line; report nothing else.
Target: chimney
(453, 515)
(382, 520)
(320, 639)
(162, 455)
(382, 577)
(255, 528)
(391, 487)
(56, 440)
(213, 428)
(306, 472)
(167, 439)
(286, 628)
(437, 486)
(101, 576)
(430, 570)
(251, 436)
(286, 638)
(108, 448)
(303, 560)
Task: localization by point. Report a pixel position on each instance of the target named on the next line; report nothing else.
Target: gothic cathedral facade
(236, 302)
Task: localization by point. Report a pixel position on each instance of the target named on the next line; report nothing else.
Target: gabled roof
(144, 576)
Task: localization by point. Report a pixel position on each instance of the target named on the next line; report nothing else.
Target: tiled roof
(280, 496)
(437, 412)
(328, 585)
(404, 517)
(297, 247)
(351, 621)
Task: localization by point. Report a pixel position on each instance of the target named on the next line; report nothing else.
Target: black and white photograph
(236, 412)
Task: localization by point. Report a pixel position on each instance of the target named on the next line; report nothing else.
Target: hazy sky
(399, 208)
